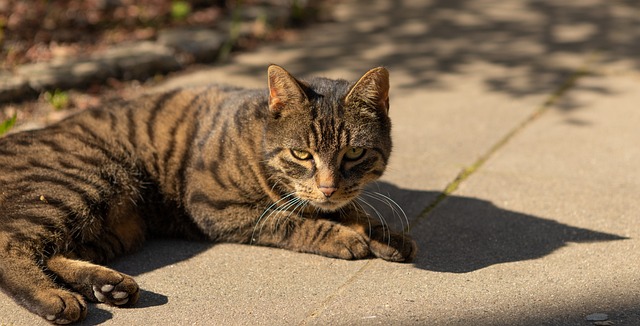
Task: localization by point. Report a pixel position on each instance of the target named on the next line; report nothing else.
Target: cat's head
(326, 139)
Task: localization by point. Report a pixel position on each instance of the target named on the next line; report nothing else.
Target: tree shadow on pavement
(465, 234)
(521, 47)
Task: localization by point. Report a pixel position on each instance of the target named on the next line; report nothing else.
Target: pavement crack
(322, 306)
(466, 172)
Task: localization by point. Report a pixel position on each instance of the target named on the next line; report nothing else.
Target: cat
(280, 167)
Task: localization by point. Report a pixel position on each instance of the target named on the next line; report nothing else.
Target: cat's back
(127, 124)
(153, 135)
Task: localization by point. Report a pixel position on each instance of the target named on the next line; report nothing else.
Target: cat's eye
(301, 155)
(354, 153)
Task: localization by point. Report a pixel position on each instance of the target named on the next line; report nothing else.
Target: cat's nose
(327, 191)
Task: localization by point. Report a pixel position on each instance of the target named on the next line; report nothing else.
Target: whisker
(393, 205)
(268, 209)
(301, 205)
(383, 221)
(359, 207)
(274, 185)
(284, 207)
(295, 203)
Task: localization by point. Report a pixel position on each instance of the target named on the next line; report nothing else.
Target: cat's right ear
(284, 89)
(372, 90)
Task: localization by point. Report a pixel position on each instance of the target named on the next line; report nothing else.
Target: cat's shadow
(461, 235)
(464, 234)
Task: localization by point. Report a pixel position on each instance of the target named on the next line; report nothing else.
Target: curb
(135, 60)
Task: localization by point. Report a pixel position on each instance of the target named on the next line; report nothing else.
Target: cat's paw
(347, 244)
(394, 247)
(60, 306)
(115, 288)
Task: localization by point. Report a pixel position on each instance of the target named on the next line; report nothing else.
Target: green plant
(180, 10)
(59, 99)
(7, 124)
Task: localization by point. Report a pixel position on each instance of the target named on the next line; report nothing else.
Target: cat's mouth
(329, 204)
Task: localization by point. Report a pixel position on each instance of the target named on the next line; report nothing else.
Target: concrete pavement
(516, 151)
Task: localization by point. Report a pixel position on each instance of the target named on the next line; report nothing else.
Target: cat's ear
(372, 90)
(283, 89)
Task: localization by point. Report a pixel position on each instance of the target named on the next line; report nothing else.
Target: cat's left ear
(372, 90)
(284, 89)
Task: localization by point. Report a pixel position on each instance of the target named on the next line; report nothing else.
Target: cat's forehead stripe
(328, 134)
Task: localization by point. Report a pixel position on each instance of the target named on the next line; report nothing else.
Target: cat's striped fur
(278, 167)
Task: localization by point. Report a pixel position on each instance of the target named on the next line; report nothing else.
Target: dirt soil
(37, 31)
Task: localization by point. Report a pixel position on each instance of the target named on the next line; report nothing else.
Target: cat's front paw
(393, 247)
(60, 306)
(345, 243)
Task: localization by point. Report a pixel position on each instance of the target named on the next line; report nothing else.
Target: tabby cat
(280, 167)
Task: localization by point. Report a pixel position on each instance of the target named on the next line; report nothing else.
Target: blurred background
(39, 30)
(48, 37)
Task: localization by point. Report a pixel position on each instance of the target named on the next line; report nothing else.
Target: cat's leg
(320, 236)
(282, 229)
(25, 281)
(97, 283)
